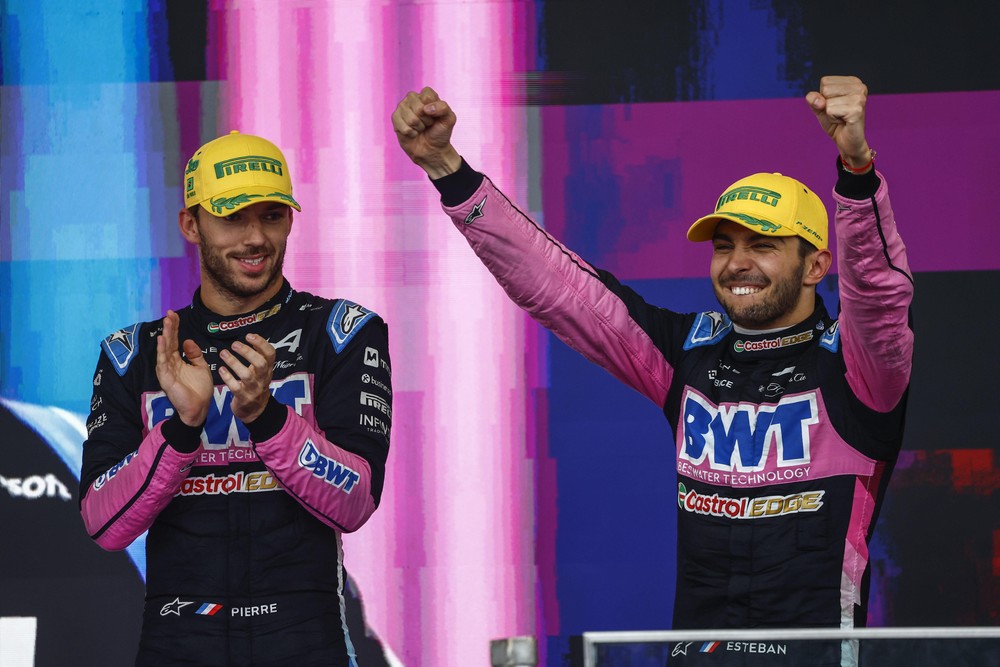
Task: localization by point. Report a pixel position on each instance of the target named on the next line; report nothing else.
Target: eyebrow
(719, 236)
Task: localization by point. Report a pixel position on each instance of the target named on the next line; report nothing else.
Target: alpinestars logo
(174, 607)
(121, 347)
(708, 328)
(476, 212)
(681, 648)
(123, 337)
(345, 321)
(352, 316)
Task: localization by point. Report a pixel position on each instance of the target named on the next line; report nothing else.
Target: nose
(254, 231)
(739, 259)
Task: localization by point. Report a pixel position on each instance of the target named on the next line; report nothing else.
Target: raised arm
(585, 307)
(876, 286)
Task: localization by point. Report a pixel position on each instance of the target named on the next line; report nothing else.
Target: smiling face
(764, 282)
(241, 254)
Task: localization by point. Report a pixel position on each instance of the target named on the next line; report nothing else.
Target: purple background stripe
(641, 174)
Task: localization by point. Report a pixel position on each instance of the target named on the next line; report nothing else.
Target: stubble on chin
(224, 279)
(778, 299)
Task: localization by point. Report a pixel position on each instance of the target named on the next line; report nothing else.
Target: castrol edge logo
(748, 508)
(772, 343)
(237, 482)
(229, 325)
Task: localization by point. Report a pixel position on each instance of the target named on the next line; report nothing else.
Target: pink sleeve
(125, 500)
(876, 289)
(561, 291)
(330, 482)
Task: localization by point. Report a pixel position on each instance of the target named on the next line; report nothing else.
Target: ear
(817, 264)
(189, 226)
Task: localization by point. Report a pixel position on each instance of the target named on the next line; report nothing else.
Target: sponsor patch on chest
(225, 439)
(745, 437)
(237, 482)
(761, 507)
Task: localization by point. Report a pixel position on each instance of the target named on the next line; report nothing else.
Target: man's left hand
(839, 106)
(249, 382)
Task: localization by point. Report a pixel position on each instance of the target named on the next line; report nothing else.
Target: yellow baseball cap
(769, 204)
(234, 171)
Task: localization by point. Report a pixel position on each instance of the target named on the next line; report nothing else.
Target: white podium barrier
(593, 641)
(17, 641)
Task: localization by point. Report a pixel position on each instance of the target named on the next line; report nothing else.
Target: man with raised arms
(786, 420)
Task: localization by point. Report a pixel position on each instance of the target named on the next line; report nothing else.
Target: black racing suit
(785, 440)
(244, 554)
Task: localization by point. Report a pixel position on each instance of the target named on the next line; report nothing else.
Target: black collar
(237, 326)
(780, 343)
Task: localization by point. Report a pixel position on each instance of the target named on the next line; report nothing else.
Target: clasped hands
(187, 381)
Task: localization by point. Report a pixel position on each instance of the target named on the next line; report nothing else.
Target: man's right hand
(187, 384)
(423, 123)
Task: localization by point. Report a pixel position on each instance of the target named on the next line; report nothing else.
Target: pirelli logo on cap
(749, 193)
(247, 163)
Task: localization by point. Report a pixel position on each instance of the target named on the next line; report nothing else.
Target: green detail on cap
(750, 193)
(192, 166)
(243, 199)
(232, 202)
(766, 226)
(282, 195)
(247, 163)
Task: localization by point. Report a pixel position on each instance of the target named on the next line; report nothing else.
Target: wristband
(858, 170)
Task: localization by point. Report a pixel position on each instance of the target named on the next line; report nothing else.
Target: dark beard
(221, 276)
(761, 315)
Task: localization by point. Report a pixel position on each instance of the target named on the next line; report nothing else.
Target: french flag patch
(707, 647)
(209, 609)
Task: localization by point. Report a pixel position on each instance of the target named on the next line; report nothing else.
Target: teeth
(743, 291)
(254, 262)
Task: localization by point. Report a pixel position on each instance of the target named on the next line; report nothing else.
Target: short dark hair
(805, 248)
